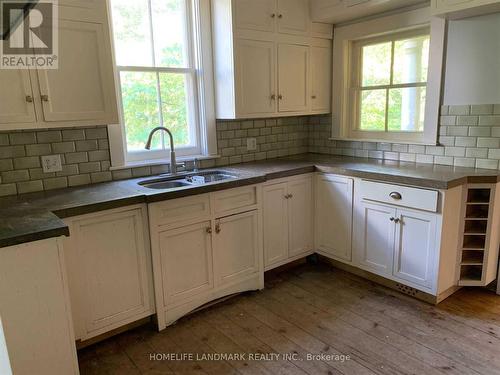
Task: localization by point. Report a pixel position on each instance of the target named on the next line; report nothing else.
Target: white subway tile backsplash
(459, 109)
(487, 163)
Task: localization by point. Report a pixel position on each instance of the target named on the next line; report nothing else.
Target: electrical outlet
(51, 163)
(251, 144)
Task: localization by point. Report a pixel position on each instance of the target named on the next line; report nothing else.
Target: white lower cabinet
(375, 231)
(287, 220)
(333, 216)
(213, 249)
(415, 247)
(109, 270)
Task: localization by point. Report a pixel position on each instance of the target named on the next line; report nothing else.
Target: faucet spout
(173, 162)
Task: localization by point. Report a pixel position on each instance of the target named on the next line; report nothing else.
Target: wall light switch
(251, 144)
(51, 163)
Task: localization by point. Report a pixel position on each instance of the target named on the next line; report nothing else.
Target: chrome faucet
(173, 162)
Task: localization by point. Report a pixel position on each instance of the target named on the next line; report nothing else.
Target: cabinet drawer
(233, 199)
(406, 196)
(180, 210)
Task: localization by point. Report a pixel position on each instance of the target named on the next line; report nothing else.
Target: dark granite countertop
(37, 216)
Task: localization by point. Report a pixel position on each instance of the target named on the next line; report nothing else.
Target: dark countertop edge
(157, 196)
(35, 236)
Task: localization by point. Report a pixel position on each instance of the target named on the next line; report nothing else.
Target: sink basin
(155, 184)
(196, 178)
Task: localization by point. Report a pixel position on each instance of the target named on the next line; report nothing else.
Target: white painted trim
(342, 63)
(202, 78)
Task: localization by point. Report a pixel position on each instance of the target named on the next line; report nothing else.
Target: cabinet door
(82, 88)
(16, 99)
(414, 259)
(293, 17)
(236, 248)
(334, 201)
(186, 262)
(255, 77)
(321, 81)
(257, 15)
(375, 237)
(293, 68)
(300, 215)
(275, 223)
(110, 273)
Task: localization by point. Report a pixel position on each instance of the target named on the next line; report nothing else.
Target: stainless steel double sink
(191, 179)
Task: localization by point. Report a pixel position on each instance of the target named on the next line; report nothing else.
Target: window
(158, 56)
(389, 83)
(387, 78)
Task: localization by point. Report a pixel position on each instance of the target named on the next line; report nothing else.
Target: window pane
(411, 58)
(170, 32)
(406, 109)
(131, 31)
(376, 64)
(174, 97)
(372, 115)
(140, 108)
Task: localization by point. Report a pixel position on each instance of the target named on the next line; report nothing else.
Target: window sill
(392, 141)
(149, 163)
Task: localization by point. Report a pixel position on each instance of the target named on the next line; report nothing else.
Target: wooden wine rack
(478, 252)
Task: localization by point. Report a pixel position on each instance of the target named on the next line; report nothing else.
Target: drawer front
(180, 210)
(405, 196)
(234, 199)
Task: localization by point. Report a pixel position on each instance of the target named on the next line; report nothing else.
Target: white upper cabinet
(81, 91)
(255, 72)
(262, 51)
(333, 215)
(321, 79)
(454, 9)
(82, 86)
(16, 102)
(293, 77)
(258, 15)
(293, 17)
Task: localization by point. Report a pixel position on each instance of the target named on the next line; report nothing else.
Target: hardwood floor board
(365, 342)
(360, 316)
(276, 341)
(311, 323)
(317, 310)
(223, 344)
(303, 338)
(407, 310)
(250, 343)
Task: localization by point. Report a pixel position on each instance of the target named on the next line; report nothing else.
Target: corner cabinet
(81, 92)
(205, 247)
(110, 277)
(287, 220)
(270, 60)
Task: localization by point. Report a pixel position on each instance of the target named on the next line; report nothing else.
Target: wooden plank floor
(320, 311)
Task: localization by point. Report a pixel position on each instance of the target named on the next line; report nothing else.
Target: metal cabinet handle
(217, 228)
(313, 96)
(29, 99)
(395, 195)
(45, 98)
(209, 230)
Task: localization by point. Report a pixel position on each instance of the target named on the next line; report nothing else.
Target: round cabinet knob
(280, 97)
(280, 16)
(273, 15)
(217, 228)
(395, 195)
(313, 96)
(391, 219)
(396, 220)
(29, 99)
(273, 97)
(45, 98)
(209, 230)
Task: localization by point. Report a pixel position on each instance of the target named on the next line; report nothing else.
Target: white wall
(473, 61)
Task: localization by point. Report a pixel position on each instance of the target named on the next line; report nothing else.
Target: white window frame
(199, 27)
(345, 37)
